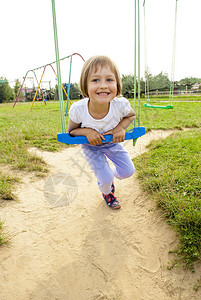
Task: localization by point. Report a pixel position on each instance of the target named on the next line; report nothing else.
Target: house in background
(196, 86)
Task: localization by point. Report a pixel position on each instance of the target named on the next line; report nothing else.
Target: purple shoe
(111, 201)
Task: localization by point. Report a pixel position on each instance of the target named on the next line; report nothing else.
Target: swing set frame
(39, 82)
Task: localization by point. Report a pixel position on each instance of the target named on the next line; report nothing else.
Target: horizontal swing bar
(158, 106)
(66, 138)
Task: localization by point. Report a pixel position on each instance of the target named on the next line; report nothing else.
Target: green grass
(22, 129)
(170, 173)
(6, 186)
(184, 115)
(177, 98)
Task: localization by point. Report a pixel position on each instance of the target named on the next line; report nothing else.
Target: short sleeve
(125, 106)
(74, 114)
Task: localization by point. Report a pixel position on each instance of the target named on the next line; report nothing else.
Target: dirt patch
(67, 244)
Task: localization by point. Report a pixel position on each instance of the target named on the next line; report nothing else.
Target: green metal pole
(68, 95)
(60, 92)
(138, 64)
(135, 47)
(173, 59)
(135, 67)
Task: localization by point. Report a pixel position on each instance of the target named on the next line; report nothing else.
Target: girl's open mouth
(103, 94)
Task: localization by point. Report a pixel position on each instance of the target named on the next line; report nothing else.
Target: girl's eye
(109, 79)
(95, 80)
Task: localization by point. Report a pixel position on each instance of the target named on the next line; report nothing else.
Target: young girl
(101, 113)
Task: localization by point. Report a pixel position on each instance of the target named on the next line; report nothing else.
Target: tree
(75, 91)
(56, 95)
(127, 85)
(187, 82)
(158, 82)
(6, 92)
(16, 87)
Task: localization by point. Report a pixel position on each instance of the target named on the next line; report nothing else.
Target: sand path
(66, 244)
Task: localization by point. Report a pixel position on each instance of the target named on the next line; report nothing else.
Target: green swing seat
(159, 106)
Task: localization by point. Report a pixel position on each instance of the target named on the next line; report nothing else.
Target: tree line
(159, 82)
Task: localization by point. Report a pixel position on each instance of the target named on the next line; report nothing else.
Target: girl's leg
(123, 165)
(99, 165)
(96, 157)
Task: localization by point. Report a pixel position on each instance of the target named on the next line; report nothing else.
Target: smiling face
(91, 66)
(102, 85)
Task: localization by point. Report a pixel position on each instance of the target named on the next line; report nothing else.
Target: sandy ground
(67, 244)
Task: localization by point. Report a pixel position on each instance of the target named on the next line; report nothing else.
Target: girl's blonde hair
(92, 64)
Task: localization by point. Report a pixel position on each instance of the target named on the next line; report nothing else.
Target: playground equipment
(147, 100)
(39, 82)
(67, 94)
(64, 137)
(23, 84)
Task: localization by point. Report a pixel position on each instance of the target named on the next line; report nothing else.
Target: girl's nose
(103, 85)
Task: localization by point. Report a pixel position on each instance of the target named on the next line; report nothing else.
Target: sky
(104, 27)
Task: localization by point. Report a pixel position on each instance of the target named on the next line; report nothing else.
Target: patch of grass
(184, 115)
(170, 173)
(197, 285)
(14, 152)
(177, 98)
(6, 187)
(22, 129)
(3, 238)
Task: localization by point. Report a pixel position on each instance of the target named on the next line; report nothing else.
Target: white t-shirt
(79, 113)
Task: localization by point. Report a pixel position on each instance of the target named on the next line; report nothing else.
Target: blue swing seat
(66, 138)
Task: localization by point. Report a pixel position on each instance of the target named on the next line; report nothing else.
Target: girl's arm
(119, 131)
(93, 136)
